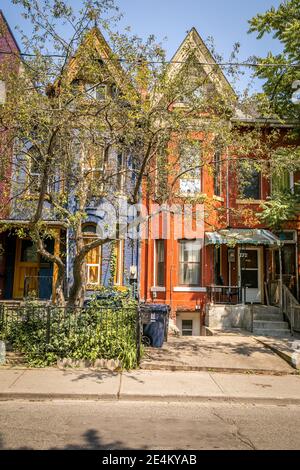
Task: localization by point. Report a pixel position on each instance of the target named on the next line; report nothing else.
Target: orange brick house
(232, 260)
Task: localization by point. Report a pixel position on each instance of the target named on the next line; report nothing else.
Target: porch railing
(39, 287)
(283, 298)
(224, 294)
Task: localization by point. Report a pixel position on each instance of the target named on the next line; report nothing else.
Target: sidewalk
(231, 352)
(56, 384)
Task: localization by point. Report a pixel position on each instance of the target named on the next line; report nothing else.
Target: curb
(39, 397)
(229, 370)
(292, 358)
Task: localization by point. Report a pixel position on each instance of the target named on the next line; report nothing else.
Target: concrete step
(268, 316)
(268, 309)
(270, 325)
(276, 333)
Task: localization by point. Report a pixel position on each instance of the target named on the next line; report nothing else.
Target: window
(29, 252)
(96, 92)
(2, 92)
(119, 250)
(93, 257)
(121, 172)
(189, 262)
(159, 263)
(282, 182)
(217, 267)
(217, 174)
(34, 171)
(190, 168)
(250, 184)
(187, 328)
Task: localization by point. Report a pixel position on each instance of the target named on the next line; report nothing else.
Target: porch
(23, 272)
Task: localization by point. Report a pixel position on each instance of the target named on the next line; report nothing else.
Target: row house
(25, 272)
(234, 258)
(229, 258)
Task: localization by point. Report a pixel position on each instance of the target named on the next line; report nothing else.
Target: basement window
(187, 328)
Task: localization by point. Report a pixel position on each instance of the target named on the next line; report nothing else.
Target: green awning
(242, 237)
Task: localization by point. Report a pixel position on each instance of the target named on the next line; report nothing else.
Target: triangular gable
(193, 44)
(8, 41)
(95, 39)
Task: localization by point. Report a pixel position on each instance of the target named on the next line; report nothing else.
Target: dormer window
(96, 92)
(2, 92)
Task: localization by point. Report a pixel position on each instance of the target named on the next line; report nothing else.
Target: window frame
(157, 263)
(180, 263)
(91, 236)
(187, 329)
(244, 197)
(186, 177)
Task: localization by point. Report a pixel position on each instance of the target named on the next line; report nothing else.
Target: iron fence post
(48, 325)
(138, 335)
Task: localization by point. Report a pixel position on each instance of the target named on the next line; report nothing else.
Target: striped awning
(242, 237)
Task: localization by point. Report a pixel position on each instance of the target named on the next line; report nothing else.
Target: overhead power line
(212, 64)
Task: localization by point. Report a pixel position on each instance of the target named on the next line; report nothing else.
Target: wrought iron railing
(105, 331)
(280, 296)
(224, 294)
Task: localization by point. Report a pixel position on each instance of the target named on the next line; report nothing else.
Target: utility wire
(220, 64)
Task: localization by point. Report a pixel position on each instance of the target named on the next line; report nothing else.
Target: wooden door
(26, 266)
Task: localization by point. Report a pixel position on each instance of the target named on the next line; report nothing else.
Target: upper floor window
(250, 184)
(2, 92)
(190, 168)
(34, 171)
(217, 174)
(159, 263)
(96, 92)
(189, 262)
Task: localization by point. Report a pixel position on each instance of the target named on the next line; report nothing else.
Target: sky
(225, 20)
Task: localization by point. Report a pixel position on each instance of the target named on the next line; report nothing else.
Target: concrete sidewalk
(56, 384)
(235, 352)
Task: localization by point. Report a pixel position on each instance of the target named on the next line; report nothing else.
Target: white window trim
(2, 92)
(158, 289)
(189, 289)
(120, 255)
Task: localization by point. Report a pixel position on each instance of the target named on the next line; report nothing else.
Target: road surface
(147, 425)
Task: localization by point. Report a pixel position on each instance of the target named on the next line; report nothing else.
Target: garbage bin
(155, 321)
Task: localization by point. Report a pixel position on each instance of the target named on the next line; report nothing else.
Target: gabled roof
(4, 21)
(193, 44)
(95, 39)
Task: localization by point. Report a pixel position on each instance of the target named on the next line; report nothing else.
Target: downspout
(280, 279)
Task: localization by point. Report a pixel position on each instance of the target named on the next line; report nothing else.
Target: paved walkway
(56, 384)
(227, 352)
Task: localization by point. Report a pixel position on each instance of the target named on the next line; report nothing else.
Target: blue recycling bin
(155, 320)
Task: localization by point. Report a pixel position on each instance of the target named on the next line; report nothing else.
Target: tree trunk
(78, 288)
(59, 289)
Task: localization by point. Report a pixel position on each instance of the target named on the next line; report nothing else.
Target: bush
(101, 331)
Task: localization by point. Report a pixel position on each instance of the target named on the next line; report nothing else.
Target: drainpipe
(280, 279)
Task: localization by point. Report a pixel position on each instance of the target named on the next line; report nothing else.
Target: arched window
(93, 258)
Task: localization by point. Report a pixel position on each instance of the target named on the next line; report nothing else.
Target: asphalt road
(147, 425)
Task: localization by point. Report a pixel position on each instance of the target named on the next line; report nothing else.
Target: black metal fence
(50, 332)
(224, 294)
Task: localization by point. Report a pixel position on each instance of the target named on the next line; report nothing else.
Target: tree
(280, 100)
(80, 104)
